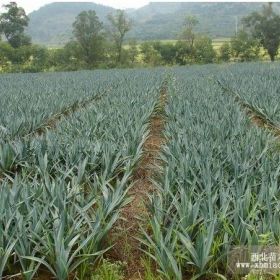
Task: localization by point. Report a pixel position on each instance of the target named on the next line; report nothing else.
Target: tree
(88, 31)
(120, 25)
(68, 58)
(245, 47)
(188, 34)
(23, 59)
(185, 50)
(265, 27)
(184, 53)
(204, 51)
(12, 25)
(5, 52)
(132, 51)
(150, 56)
(39, 59)
(225, 52)
(167, 51)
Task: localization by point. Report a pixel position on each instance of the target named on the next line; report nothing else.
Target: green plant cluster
(62, 191)
(219, 183)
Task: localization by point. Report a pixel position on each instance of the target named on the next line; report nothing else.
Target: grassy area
(216, 42)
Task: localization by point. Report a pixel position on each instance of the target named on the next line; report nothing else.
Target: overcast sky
(31, 5)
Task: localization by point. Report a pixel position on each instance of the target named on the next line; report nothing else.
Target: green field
(216, 42)
(184, 159)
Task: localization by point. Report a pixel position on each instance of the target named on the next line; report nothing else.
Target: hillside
(52, 24)
(164, 20)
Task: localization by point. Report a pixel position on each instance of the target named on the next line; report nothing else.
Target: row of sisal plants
(70, 183)
(219, 183)
(258, 85)
(29, 100)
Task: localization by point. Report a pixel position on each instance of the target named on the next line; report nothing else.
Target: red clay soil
(127, 248)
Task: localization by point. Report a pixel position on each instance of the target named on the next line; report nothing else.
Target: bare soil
(127, 248)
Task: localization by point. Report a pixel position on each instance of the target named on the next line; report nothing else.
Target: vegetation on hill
(98, 43)
(51, 24)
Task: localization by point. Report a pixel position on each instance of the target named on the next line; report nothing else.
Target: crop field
(160, 172)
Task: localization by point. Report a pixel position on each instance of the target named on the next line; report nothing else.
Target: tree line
(95, 45)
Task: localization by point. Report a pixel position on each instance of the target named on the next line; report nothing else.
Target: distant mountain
(52, 24)
(164, 20)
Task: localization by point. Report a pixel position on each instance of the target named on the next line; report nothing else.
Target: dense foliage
(12, 24)
(219, 186)
(264, 27)
(64, 183)
(61, 190)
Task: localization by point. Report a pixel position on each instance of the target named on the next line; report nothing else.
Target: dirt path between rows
(127, 248)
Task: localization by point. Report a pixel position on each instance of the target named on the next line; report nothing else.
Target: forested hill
(52, 24)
